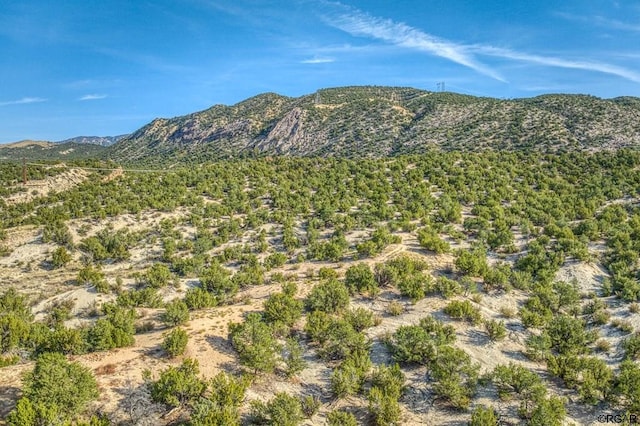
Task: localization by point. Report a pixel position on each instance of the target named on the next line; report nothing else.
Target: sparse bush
(496, 330)
(508, 312)
(395, 308)
(310, 405)
(603, 345)
(622, 325)
(360, 318)
(176, 313)
(90, 276)
(463, 310)
(60, 257)
(293, 357)
(484, 416)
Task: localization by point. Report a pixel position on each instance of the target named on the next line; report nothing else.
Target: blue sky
(78, 67)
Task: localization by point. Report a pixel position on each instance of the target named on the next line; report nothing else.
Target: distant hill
(41, 150)
(94, 140)
(26, 143)
(382, 121)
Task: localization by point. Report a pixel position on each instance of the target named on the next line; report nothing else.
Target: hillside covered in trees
(385, 121)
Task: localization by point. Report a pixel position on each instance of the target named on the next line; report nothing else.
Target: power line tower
(440, 86)
(318, 100)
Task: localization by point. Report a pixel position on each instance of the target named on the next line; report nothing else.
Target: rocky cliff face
(379, 121)
(94, 140)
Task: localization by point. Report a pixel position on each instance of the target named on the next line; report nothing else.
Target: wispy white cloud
(612, 24)
(358, 23)
(25, 100)
(92, 97)
(550, 61)
(318, 61)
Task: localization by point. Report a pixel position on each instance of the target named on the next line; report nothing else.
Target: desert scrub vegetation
(470, 227)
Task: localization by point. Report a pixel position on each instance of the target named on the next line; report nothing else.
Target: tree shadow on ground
(9, 395)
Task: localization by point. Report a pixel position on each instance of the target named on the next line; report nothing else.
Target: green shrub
(282, 410)
(114, 331)
(275, 260)
(631, 346)
(455, 376)
(496, 330)
(293, 358)
(282, 308)
(53, 392)
(177, 386)
(473, 263)
(90, 276)
(348, 378)
(255, 343)
(341, 418)
(158, 276)
(175, 342)
(517, 380)
(628, 385)
(429, 239)
(484, 416)
(412, 344)
(360, 318)
(383, 407)
(176, 313)
(15, 321)
(217, 281)
(448, 287)
(389, 379)
(329, 296)
(360, 279)
(310, 405)
(221, 406)
(415, 286)
(198, 298)
(146, 297)
(60, 257)
(568, 335)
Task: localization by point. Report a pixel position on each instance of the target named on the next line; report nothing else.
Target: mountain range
(94, 140)
(370, 121)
